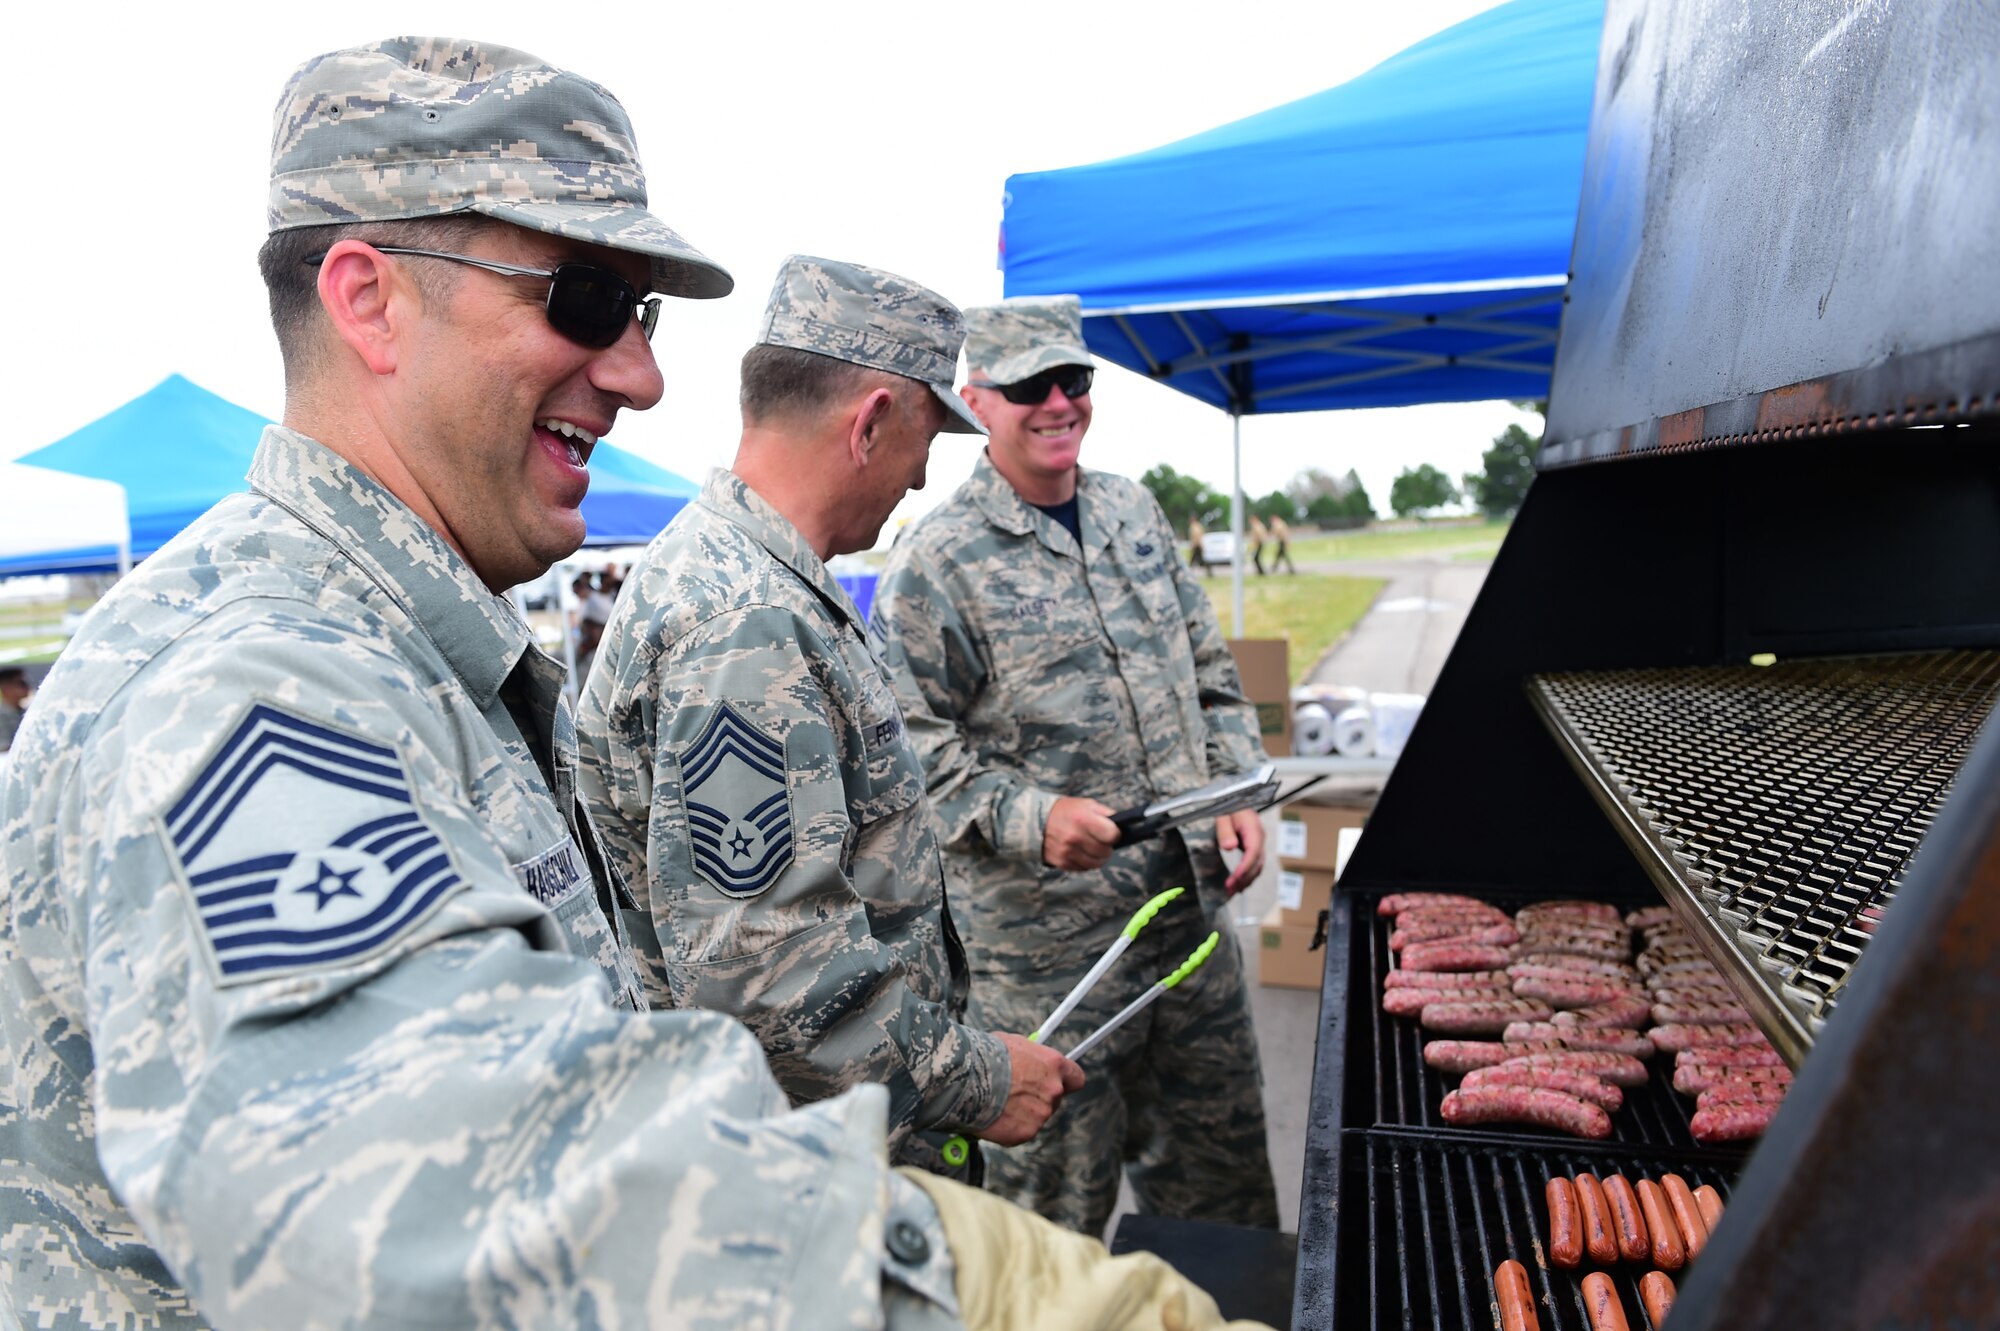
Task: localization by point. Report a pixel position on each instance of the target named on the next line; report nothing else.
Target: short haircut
(790, 384)
(13, 675)
(292, 282)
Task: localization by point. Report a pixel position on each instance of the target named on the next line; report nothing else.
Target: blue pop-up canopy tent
(1401, 238)
(178, 448)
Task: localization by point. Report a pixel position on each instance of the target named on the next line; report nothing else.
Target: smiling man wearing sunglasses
(1057, 662)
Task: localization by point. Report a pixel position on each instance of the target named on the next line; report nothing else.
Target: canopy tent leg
(1236, 527)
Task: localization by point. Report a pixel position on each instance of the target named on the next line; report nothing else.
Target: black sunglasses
(1074, 380)
(586, 304)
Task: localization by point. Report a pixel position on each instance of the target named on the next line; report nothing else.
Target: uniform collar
(479, 633)
(1004, 508)
(726, 495)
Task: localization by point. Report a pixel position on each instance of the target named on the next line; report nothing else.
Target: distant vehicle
(1218, 547)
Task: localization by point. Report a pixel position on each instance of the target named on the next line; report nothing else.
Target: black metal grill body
(1773, 430)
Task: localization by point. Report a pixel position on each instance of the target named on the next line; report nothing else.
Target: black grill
(1440, 1216)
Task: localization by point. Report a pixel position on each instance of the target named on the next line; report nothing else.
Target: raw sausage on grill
(1699, 1014)
(1412, 1002)
(1579, 1084)
(1553, 965)
(1618, 1069)
(1448, 980)
(1454, 957)
(1589, 1038)
(1465, 1055)
(1525, 1104)
(1734, 1122)
(1677, 1038)
(1631, 1013)
(1398, 902)
(1458, 931)
(1582, 991)
(1481, 1018)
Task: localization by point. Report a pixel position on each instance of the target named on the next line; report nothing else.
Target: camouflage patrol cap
(864, 315)
(426, 126)
(1018, 338)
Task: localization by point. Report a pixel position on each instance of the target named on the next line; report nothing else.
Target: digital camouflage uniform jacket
(313, 1007)
(1029, 669)
(744, 755)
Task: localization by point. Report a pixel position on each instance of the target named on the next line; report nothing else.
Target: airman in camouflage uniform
(1050, 676)
(743, 752)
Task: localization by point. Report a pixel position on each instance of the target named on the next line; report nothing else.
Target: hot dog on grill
(1565, 1230)
(1600, 1300)
(1687, 1214)
(1669, 1252)
(1595, 1212)
(1516, 1300)
(1618, 1069)
(1656, 1291)
(1525, 1104)
(1628, 1223)
(1710, 1202)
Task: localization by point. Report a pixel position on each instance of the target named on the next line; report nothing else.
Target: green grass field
(1464, 540)
(1311, 611)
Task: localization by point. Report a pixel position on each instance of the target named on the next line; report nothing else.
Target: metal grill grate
(1782, 803)
(1441, 1216)
(1407, 1092)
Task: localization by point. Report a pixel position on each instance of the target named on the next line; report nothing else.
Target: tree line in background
(1322, 499)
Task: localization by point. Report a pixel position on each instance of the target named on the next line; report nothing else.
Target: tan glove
(1018, 1272)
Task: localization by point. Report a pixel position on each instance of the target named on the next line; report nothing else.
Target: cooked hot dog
(1656, 1291)
(1595, 1213)
(1516, 1299)
(1710, 1202)
(1687, 1214)
(1669, 1253)
(1628, 1223)
(1565, 1233)
(1600, 1300)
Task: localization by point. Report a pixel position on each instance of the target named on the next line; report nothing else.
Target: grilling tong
(1254, 789)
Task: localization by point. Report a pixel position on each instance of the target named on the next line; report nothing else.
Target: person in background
(1281, 533)
(591, 617)
(1196, 559)
(745, 757)
(1257, 535)
(315, 1001)
(13, 703)
(1055, 662)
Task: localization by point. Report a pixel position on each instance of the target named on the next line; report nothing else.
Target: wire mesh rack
(1778, 805)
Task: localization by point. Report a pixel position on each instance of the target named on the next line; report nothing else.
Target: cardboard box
(1265, 667)
(1303, 894)
(1309, 834)
(1285, 959)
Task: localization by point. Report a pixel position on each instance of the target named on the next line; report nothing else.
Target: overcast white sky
(876, 132)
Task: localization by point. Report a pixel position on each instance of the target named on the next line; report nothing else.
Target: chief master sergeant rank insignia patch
(738, 804)
(303, 849)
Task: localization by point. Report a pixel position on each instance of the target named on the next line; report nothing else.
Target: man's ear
(368, 300)
(972, 400)
(870, 418)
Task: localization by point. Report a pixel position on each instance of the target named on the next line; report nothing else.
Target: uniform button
(907, 1243)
